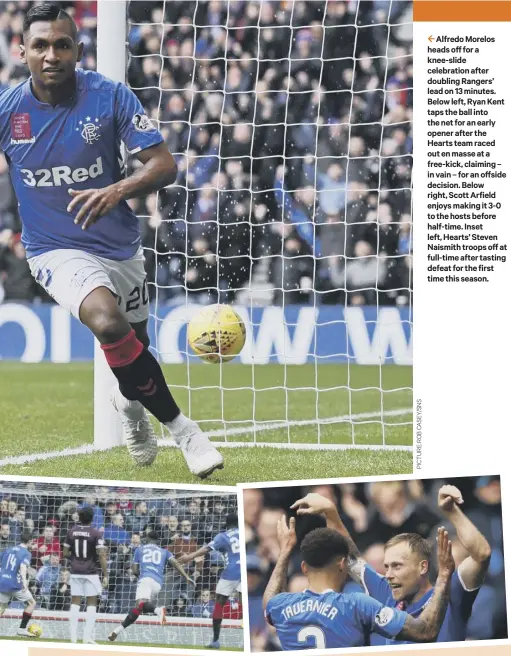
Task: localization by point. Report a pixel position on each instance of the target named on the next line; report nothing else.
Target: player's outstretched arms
(473, 569)
(179, 568)
(287, 542)
(426, 627)
(159, 170)
(187, 558)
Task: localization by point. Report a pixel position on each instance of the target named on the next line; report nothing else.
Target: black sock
(143, 381)
(216, 629)
(148, 608)
(131, 618)
(25, 619)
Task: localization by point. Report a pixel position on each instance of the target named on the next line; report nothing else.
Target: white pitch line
(86, 449)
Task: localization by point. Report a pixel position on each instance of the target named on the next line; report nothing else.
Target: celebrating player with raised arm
(85, 548)
(324, 617)
(151, 561)
(61, 132)
(228, 543)
(406, 582)
(14, 565)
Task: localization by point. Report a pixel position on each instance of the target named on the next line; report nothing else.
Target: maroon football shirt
(84, 543)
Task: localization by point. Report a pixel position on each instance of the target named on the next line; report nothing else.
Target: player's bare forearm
(191, 556)
(278, 579)
(179, 568)
(103, 563)
(426, 627)
(469, 536)
(159, 170)
(24, 576)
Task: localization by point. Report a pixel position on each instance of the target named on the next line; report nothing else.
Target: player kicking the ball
(61, 132)
(407, 558)
(323, 617)
(229, 583)
(151, 561)
(14, 565)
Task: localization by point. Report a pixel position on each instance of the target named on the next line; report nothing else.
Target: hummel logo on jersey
(59, 175)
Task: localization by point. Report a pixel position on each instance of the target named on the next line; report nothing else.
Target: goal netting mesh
(291, 125)
(184, 520)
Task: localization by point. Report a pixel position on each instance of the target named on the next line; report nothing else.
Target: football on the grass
(35, 630)
(216, 333)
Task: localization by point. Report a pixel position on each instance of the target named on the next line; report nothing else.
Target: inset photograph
(375, 563)
(115, 564)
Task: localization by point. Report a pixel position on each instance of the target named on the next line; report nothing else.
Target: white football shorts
(227, 588)
(70, 275)
(147, 588)
(85, 585)
(25, 596)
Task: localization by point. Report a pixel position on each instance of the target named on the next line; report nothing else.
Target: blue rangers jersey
(228, 543)
(454, 626)
(309, 620)
(152, 561)
(74, 145)
(10, 564)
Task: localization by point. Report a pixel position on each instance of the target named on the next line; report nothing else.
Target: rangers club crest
(89, 130)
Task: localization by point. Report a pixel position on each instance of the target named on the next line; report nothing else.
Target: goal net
(290, 122)
(184, 520)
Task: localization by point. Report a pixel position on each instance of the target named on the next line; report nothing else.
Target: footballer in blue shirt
(14, 564)
(406, 584)
(229, 584)
(149, 563)
(61, 132)
(323, 616)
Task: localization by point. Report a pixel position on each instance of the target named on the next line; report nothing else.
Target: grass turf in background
(48, 407)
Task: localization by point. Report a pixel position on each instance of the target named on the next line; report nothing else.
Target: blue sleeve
(169, 556)
(387, 622)
(136, 556)
(218, 543)
(270, 606)
(133, 126)
(461, 600)
(376, 585)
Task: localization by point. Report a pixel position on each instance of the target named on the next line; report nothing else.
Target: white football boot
(201, 456)
(24, 633)
(138, 431)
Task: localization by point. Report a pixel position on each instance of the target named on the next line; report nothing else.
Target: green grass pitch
(48, 407)
(35, 641)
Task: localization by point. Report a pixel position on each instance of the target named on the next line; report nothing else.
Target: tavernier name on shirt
(310, 606)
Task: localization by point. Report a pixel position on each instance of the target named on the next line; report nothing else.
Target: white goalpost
(291, 125)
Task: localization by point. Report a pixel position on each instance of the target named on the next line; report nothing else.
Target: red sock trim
(123, 352)
(218, 611)
(141, 606)
(137, 611)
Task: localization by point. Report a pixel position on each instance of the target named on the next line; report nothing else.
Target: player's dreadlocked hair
(48, 11)
(231, 521)
(152, 536)
(322, 546)
(86, 515)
